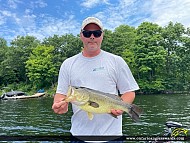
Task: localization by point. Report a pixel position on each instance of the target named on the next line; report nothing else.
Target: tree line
(159, 57)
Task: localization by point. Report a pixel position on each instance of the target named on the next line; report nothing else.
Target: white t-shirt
(105, 72)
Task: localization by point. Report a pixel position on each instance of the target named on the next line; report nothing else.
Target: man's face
(92, 43)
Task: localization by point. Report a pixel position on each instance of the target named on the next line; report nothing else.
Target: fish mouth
(70, 91)
(70, 95)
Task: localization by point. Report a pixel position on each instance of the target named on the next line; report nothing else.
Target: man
(99, 70)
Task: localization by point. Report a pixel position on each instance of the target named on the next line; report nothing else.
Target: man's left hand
(117, 112)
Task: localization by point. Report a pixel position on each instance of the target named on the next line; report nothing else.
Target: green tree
(121, 42)
(184, 64)
(40, 67)
(13, 69)
(3, 43)
(107, 41)
(124, 38)
(19, 52)
(3, 49)
(150, 57)
(65, 46)
(173, 35)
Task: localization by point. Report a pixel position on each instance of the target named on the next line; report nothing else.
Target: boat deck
(26, 96)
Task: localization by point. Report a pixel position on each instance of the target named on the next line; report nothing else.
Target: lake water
(35, 116)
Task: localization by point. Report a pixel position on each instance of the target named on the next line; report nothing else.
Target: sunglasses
(96, 33)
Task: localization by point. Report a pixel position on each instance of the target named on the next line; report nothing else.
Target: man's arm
(59, 106)
(127, 97)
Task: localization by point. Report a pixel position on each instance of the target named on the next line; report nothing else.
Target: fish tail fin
(135, 112)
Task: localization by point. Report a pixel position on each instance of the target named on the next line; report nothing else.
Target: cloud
(6, 13)
(38, 4)
(2, 20)
(13, 3)
(120, 13)
(40, 25)
(51, 26)
(134, 12)
(163, 11)
(29, 24)
(48, 26)
(93, 3)
(7, 16)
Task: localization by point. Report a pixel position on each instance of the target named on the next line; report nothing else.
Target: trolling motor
(171, 124)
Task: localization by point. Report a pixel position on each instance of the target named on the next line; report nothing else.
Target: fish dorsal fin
(113, 96)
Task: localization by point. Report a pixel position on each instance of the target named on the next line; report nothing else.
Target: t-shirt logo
(98, 69)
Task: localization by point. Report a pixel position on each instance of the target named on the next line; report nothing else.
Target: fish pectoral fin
(113, 115)
(93, 104)
(90, 115)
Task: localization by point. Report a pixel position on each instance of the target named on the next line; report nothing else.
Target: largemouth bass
(93, 101)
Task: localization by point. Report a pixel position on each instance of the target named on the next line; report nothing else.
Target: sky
(45, 18)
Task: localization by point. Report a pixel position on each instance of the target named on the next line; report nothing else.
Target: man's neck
(90, 54)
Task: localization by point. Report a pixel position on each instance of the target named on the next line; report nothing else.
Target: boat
(19, 95)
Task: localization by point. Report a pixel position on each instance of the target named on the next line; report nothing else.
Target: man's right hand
(59, 105)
